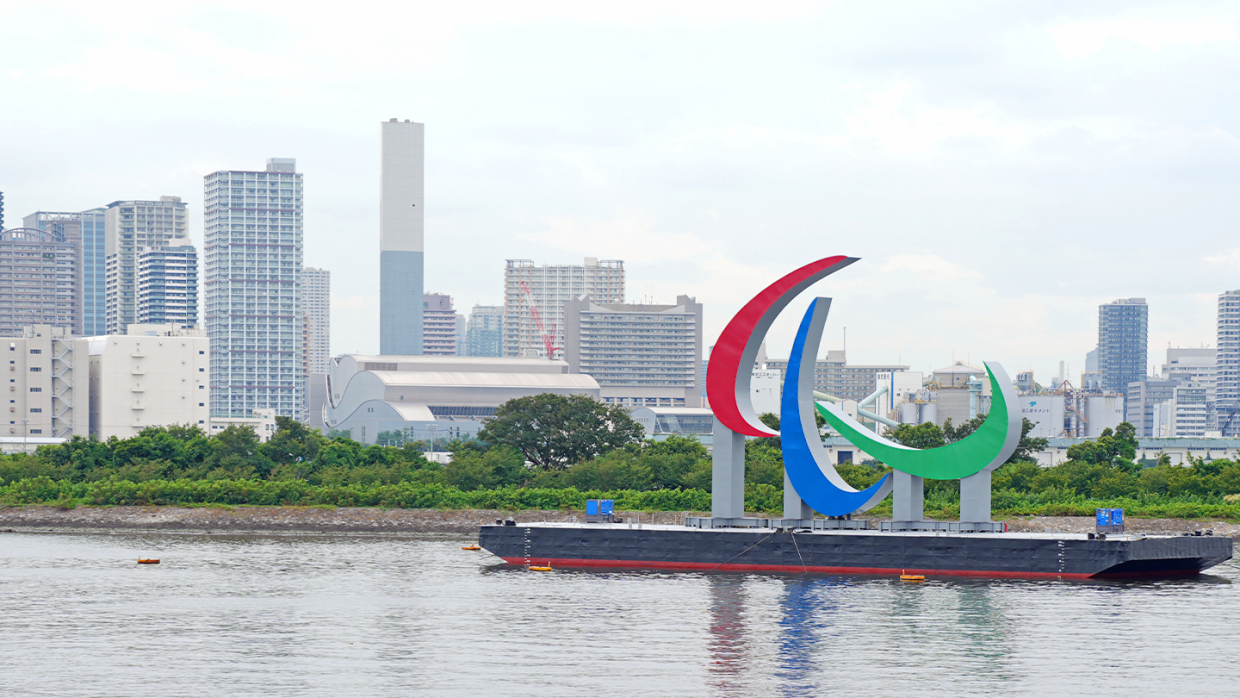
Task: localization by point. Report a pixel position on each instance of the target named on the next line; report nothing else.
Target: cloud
(1085, 39)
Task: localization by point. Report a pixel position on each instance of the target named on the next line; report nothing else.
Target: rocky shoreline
(361, 520)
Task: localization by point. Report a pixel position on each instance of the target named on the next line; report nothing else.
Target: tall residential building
(641, 355)
(533, 293)
(253, 251)
(40, 280)
(834, 376)
(484, 335)
(400, 238)
(168, 286)
(129, 225)
(1123, 341)
(439, 325)
(1227, 368)
(1, 211)
(316, 287)
(91, 230)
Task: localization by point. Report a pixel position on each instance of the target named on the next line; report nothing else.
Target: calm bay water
(336, 615)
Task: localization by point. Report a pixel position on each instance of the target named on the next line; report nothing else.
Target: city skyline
(925, 161)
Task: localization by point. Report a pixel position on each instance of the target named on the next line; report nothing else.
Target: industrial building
(1072, 413)
(640, 354)
(40, 279)
(252, 286)
(425, 397)
(401, 221)
(535, 297)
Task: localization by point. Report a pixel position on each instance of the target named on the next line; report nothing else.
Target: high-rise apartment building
(1, 211)
(253, 250)
(90, 229)
(539, 293)
(129, 225)
(40, 280)
(400, 238)
(1123, 343)
(484, 336)
(439, 325)
(641, 355)
(1227, 368)
(168, 286)
(316, 287)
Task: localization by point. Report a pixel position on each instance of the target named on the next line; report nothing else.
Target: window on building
(36, 351)
(36, 431)
(36, 410)
(36, 390)
(35, 369)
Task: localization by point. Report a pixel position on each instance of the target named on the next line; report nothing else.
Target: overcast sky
(1001, 168)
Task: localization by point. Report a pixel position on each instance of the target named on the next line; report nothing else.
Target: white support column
(908, 497)
(794, 507)
(727, 499)
(975, 497)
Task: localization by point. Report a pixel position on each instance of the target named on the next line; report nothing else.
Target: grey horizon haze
(1001, 169)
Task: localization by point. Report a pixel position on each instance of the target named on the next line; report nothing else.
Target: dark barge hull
(853, 552)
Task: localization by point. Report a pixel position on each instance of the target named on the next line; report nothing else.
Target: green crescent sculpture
(985, 449)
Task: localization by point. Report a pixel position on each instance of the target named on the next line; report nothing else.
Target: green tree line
(552, 452)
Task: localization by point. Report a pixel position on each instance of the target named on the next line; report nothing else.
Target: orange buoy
(148, 561)
(905, 577)
(474, 546)
(540, 568)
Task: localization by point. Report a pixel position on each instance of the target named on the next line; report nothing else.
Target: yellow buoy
(474, 546)
(540, 568)
(906, 577)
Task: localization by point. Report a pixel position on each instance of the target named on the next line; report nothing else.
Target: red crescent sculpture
(731, 361)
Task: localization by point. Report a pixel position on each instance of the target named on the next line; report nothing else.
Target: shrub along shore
(517, 468)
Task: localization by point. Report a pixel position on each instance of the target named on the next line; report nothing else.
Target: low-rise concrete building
(157, 375)
(263, 423)
(48, 392)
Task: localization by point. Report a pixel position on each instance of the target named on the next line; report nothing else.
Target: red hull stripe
(570, 562)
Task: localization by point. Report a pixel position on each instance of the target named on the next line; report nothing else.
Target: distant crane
(547, 337)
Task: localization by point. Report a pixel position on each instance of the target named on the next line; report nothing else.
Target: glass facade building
(252, 287)
(1123, 344)
(484, 335)
(91, 230)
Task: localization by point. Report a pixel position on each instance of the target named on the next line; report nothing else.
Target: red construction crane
(547, 337)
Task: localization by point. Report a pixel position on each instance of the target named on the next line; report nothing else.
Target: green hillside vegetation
(586, 451)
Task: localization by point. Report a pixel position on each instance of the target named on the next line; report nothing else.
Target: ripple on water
(336, 615)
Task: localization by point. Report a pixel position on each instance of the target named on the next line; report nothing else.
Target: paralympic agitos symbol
(805, 460)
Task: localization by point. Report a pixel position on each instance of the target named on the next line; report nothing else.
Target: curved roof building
(430, 397)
